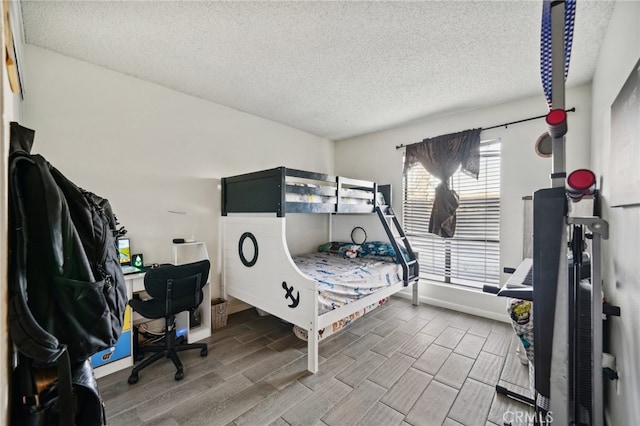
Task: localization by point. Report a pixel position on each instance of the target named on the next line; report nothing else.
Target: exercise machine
(563, 279)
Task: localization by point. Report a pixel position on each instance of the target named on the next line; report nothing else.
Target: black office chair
(173, 289)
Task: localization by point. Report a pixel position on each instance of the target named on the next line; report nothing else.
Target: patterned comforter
(342, 280)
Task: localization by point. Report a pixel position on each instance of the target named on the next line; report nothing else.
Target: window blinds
(471, 258)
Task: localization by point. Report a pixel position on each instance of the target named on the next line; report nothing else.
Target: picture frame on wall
(624, 172)
(11, 56)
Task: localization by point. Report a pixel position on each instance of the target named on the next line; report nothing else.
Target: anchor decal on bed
(294, 300)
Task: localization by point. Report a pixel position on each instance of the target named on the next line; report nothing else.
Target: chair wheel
(204, 352)
(133, 379)
(179, 375)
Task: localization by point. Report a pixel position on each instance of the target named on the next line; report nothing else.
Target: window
(472, 257)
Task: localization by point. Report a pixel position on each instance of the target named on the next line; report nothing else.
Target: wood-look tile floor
(398, 365)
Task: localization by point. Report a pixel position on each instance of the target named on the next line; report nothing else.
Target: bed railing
(283, 190)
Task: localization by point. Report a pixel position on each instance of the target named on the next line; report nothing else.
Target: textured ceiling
(333, 69)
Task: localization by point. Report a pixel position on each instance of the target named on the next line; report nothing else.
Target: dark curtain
(441, 156)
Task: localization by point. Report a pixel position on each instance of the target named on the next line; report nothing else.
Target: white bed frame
(263, 274)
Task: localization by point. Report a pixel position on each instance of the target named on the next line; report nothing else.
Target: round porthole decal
(254, 259)
(358, 235)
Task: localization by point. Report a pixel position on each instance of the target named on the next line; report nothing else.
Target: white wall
(375, 157)
(621, 267)
(151, 150)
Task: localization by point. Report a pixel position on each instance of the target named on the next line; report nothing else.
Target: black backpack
(67, 291)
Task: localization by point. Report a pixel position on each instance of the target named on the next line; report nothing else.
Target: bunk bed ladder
(410, 267)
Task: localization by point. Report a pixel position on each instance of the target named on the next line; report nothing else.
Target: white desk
(183, 253)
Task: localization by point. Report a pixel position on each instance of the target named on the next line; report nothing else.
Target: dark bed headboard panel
(258, 192)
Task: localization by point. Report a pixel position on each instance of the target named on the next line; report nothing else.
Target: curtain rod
(505, 124)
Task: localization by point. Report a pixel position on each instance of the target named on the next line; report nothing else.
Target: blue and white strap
(545, 43)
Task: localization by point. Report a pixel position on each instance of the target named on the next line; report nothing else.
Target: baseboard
(459, 308)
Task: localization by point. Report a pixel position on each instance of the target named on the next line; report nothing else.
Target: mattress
(309, 198)
(326, 195)
(342, 280)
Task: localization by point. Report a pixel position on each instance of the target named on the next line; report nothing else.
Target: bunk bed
(317, 292)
